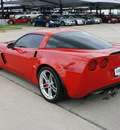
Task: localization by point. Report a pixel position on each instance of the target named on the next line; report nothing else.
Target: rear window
(77, 40)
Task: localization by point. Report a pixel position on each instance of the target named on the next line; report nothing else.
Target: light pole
(2, 9)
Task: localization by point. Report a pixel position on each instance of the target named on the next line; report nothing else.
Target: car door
(39, 20)
(20, 58)
(23, 19)
(44, 20)
(19, 20)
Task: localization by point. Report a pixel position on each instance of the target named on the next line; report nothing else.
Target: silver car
(63, 20)
(78, 21)
(96, 20)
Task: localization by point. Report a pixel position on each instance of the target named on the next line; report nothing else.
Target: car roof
(53, 31)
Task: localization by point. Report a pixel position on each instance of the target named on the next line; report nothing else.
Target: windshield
(62, 17)
(91, 16)
(74, 16)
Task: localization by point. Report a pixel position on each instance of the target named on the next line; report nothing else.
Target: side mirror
(10, 45)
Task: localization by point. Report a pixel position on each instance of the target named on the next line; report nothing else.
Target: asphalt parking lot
(23, 108)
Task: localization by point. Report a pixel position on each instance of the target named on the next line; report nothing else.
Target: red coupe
(108, 19)
(63, 61)
(22, 19)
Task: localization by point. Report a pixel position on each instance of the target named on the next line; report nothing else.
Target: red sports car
(63, 61)
(22, 19)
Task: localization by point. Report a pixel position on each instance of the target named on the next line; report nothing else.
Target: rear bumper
(116, 85)
(90, 22)
(87, 82)
(54, 24)
(114, 21)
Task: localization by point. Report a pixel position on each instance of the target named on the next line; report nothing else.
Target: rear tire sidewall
(59, 94)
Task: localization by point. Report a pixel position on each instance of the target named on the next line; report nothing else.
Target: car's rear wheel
(109, 21)
(28, 22)
(34, 24)
(62, 23)
(11, 22)
(50, 85)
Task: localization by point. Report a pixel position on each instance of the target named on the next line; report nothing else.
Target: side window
(77, 40)
(34, 13)
(39, 17)
(29, 41)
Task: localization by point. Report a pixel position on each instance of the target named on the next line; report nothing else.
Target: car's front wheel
(50, 85)
(11, 22)
(62, 23)
(76, 23)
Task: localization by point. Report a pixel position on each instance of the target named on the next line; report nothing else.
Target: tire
(50, 85)
(28, 22)
(109, 21)
(47, 25)
(11, 22)
(62, 23)
(34, 24)
(76, 23)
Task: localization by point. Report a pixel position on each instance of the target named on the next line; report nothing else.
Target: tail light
(103, 63)
(92, 65)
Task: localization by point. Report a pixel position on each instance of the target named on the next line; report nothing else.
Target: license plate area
(117, 71)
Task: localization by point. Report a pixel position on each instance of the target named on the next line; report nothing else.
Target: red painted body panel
(70, 64)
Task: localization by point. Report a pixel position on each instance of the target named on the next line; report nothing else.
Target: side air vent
(3, 58)
(35, 53)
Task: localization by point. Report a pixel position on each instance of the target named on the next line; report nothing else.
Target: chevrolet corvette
(63, 62)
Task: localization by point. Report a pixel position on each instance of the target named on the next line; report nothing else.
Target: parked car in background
(33, 14)
(46, 21)
(64, 21)
(108, 19)
(87, 18)
(117, 17)
(28, 14)
(78, 21)
(96, 20)
(22, 19)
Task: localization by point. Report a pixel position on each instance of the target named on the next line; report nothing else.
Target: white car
(31, 14)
